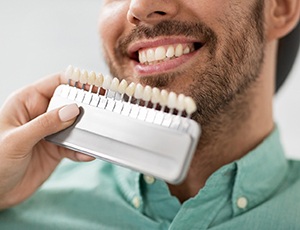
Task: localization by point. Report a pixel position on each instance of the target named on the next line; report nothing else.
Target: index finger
(47, 85)
(32, 100)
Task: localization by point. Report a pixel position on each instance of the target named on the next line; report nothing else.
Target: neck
(229, 145)
(234, 136)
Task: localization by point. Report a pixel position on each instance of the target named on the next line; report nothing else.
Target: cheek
(111, 23)
(212, 13)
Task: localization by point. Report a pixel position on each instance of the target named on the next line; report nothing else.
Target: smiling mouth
(161, 54)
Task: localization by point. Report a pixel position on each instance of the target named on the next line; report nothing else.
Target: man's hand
(26, 160)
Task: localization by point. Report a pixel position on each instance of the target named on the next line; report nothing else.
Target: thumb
(48, 123)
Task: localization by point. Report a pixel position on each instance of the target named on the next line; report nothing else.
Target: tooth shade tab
(172, 100)
(107, 82)
(69, 72)
(122, 86)
(115, 84)
(76, 75)
(99, 80)
(164, 96)
(139, 91)
(92, 78)
(190, 105)
(147, 93)
(84, 76)
(180, 103)
(130, 89)
(155, 97)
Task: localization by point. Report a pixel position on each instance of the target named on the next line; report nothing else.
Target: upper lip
(163, 41)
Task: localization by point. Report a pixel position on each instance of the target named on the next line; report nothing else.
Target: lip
(164, 66)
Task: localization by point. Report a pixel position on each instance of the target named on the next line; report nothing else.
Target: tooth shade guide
(132, 99)
(137, 94)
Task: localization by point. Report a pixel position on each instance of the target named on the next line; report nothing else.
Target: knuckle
(7, 140)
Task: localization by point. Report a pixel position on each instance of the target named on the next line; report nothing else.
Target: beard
(233, 65)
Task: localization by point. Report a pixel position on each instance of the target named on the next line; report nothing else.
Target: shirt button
(149, 179)
(242, 202)
(136, 202)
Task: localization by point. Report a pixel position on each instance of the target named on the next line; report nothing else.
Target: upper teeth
(162, 53)
(180, 102)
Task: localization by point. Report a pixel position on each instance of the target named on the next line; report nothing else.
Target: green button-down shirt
(259, 191)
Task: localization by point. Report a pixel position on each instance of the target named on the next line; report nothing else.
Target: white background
(39, 37)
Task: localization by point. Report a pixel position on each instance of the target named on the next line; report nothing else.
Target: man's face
(210, 50)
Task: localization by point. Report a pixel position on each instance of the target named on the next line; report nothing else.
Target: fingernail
(68, 112)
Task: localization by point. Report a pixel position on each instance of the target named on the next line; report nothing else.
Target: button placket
(136, 202)
(149, 179)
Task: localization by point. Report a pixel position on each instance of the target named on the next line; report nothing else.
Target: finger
(48, 84)
(80, 157)
(47, 124)
(31, 101)
(56, 153)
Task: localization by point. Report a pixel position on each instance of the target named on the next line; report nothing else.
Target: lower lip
(166, 66)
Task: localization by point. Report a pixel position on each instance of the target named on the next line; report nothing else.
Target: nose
(151, 11)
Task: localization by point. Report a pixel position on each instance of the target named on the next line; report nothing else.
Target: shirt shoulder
(77, 196)
(280, 211)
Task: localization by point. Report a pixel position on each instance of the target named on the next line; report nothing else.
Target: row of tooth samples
(165, 99)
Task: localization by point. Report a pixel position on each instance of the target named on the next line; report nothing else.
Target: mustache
(198, 30)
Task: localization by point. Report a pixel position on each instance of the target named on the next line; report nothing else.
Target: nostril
(160, 13)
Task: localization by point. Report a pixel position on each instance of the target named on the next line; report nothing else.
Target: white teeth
(142, 57)
(139, 91)
(180, 102)
(179, 50)
(107, 82)
(172, 100)
(186, 50)
(84, 76)
(69, 72)
(147, 93)
(170, 52)
(122, 87)
(115, 84)
(190, 105)
(99, 80)
(160, 53)
(76, 75)
(155, 98)
(130, 89)
(150, 55)
(92, 78)
(164, 96)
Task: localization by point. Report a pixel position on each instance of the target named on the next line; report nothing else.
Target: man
(239, 178)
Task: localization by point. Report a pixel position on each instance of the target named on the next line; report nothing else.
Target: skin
(231, 77)
(26, 159)
(239, 105)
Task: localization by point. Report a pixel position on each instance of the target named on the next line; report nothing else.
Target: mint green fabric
(98, 195)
